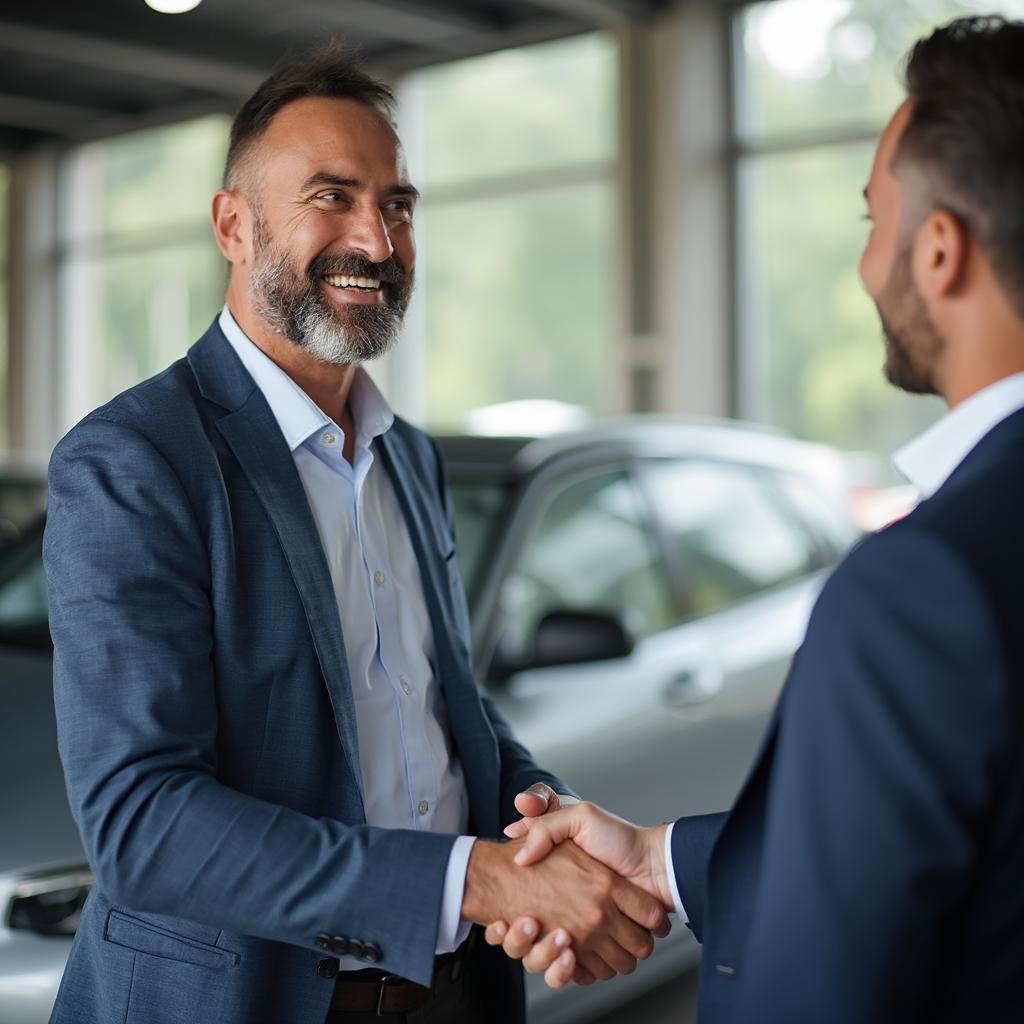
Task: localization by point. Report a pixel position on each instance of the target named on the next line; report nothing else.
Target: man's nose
(367, 233)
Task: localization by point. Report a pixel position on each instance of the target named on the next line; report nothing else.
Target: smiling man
(274, 746)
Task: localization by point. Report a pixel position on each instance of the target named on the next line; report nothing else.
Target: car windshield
(23, 606)
(479, 505)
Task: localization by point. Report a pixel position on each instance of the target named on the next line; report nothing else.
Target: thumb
(537, 800)
(546, 833)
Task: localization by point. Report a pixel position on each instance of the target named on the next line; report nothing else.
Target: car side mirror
(569, 638)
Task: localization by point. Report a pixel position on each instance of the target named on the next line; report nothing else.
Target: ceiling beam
(401, 22)
(48, 116)
(598, 12)
(216, 76)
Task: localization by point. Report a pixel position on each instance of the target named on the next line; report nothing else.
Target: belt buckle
(380, 993)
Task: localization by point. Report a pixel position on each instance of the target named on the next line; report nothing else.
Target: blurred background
(629, 207)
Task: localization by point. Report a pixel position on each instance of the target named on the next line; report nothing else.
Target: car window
(827, 517)
(591, 550)
(728, 537)
(478, 506)
(23, 604)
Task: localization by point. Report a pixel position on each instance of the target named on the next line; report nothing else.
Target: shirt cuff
(452, 931)
(670, 868)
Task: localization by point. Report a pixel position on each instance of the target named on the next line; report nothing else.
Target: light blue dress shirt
(410, 775)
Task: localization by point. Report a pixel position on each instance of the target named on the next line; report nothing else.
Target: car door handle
(692, 686)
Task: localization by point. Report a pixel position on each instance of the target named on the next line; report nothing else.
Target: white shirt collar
(296, 413)
(929, 460)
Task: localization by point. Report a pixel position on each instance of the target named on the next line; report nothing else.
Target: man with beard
(870, 870)
(274, 747)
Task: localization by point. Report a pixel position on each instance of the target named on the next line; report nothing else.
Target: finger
(562, 971)
(620, 960)
(519, 828)
(538, 799)
(521, 937)
(495, 933)
(595, 965)
(641, 907)
(582, 976)
(547, 951)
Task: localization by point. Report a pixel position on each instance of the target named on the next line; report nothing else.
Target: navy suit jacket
(206, 722)
(872, 869)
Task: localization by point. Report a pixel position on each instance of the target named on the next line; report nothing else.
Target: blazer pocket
(142, 937)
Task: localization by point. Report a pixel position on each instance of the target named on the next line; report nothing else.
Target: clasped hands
(577, 894)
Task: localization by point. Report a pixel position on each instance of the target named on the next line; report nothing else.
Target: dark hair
(330, 70)
(965, 135)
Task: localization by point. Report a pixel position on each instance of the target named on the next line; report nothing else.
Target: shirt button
(378, 577)
(406, 688)
(328, 438)
(423, 807)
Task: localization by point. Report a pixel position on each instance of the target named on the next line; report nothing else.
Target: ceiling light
(173, 6)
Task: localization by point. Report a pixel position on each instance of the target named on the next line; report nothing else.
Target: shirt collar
(929, 460)
(296, 413)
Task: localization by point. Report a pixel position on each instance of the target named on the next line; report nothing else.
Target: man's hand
(634, 853)
(608, 920)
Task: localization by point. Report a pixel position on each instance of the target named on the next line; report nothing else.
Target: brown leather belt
(373, 991)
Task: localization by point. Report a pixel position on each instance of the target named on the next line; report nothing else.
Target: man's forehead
(323, 129)
(881, 170)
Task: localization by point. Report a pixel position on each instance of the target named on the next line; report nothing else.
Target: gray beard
(294, 307)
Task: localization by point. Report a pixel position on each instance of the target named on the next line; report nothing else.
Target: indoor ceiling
(72, 70)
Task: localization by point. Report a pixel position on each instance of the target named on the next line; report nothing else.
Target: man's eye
(332, 196)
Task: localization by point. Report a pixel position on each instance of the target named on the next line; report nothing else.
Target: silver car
(636, 591)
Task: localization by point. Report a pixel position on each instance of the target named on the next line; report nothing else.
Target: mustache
(389, 271)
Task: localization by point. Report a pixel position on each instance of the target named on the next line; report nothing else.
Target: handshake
(578, 893)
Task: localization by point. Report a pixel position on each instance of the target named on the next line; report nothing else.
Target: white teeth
(345, 281)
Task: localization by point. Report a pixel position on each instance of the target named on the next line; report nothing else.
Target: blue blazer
(206, 721)
(872, 869)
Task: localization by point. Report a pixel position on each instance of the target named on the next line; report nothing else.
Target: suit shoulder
(151, 408)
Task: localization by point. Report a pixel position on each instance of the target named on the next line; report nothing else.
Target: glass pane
(518, 299)
(133, 315)
(478, 505)
(158, 177)
(811, 342)
(23, 603)
(519, 110)
(730, 538)
(592, 551)
(825, 64)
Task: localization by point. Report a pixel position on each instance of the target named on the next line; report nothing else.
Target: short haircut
(330, 70)
(965, 135)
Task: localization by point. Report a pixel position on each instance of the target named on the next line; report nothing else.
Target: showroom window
(515, 153)
(140, 275)
(815, 82)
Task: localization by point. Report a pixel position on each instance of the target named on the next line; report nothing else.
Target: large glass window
(141, 276)
(816, 80)
(515, 155)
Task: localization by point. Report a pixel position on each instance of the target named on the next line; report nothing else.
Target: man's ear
(232, 225)
(940, 255)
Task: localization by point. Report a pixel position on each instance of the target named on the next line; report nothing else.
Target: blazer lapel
(254, 437)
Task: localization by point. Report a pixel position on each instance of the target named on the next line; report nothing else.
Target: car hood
(38, 831)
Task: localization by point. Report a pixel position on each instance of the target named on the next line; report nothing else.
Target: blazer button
(322, 941)
(339, 945)
(356, 948)
(372, 953)
(327, 967)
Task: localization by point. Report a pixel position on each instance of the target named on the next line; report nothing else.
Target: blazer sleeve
(893, 729)
(693, 839)
(518, 770)
(137, 712)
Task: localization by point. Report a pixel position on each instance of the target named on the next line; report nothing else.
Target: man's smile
(354, 289)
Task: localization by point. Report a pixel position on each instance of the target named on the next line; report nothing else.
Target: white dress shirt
(410, 776)
(928, 462)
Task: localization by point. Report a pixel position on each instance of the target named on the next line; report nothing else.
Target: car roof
(642, 436)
